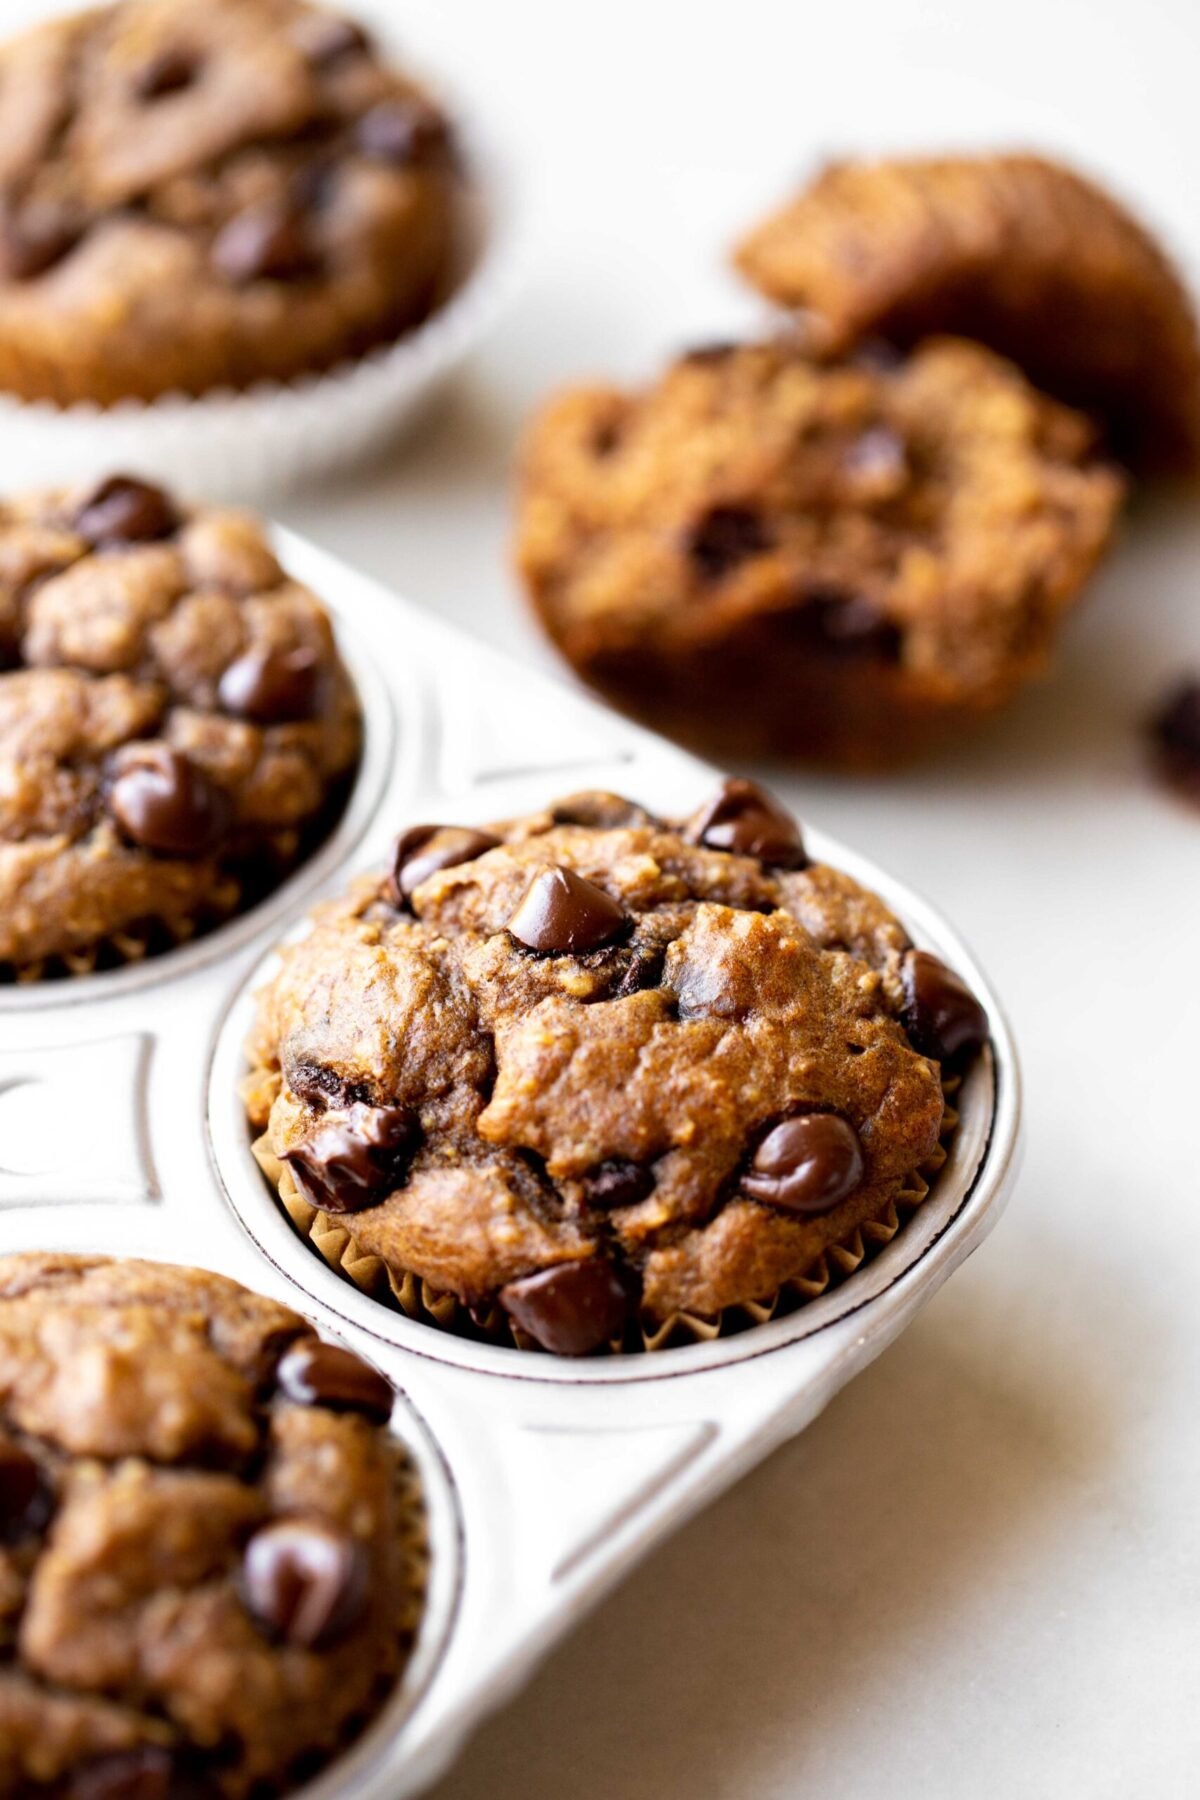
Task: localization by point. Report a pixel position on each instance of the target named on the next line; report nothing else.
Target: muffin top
(1015, 250)
(591, 1061)
(175, 723)
(931, 517)
(203, 1587)
(197, 192)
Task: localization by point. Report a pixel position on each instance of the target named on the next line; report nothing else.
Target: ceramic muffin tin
(121, 1132)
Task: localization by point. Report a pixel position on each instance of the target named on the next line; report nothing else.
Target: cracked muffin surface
(1014, 250)
(846, 561)
(204, 1585)
(176, 728)
(206, 193)
(591, 1065)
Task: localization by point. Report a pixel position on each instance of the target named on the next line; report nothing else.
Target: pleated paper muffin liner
(247, 445)
(332, 1238)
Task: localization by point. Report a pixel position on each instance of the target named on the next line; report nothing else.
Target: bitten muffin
(206, 1586)
(590, 1070)
(204, 193)
(176, 728)
(1020, 253)
(843, 561)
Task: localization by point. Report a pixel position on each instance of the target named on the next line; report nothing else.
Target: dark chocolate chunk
(163, 801)
(941, 1014)
(26, 1501)
(356, 1159)
(877, 462)
(169, 71)
(725, 537)
(571, 1309)
(806, 1164)
(425, 850)
(317, 1374)
(404, 132)
(560, 911)
(271, 686)
(124, 510)
(266, 241)
(617, 1182)
(306, 1583)
(746, 820)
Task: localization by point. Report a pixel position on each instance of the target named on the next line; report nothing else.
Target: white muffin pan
(545, 1480)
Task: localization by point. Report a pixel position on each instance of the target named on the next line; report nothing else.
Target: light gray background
(978, 1574)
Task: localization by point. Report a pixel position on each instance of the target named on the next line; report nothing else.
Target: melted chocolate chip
(148, 1773)
(600, 811)
(325, 40)
(305, 1583)
(356, 1159)
(317, 1085)
(835, 623)
(941, 1014)
(26, 1501)
(560, 911)
(164, 802)
(877, 462)
(124, 510)
(267, 241)
(425, 850)
(806, 1164)
(317, 1374)
(404, 132)
(32, 243)
(1175, 731)
(725, 537)
(571, 1309)
(270, 686)
(169, 71)
(746, 820)
(617, 1182)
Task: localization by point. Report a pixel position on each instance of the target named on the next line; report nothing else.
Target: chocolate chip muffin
(206, 193)
(846, 561)
(584, 1074)
(176, 728)
(1018, 252)
(209, 1543)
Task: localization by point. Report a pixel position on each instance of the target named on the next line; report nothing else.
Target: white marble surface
(979, 1572)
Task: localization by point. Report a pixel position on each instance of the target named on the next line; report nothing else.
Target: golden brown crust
(144, 134)
(1018, 252)
(846, 561)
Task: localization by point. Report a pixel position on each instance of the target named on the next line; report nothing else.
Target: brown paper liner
(417, 1299)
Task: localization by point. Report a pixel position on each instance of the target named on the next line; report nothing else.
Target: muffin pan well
(121, 1131)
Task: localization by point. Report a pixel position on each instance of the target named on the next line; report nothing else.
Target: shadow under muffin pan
(121, 1131)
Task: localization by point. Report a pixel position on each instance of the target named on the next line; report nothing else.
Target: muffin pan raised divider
(121, 1131)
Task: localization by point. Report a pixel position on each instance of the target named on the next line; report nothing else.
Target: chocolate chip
(124, 510)
(305, 1582)
(561, 911)
(26, 1501)
(744, 819)
(725, 537)
(571, 1309)
(317, 1374)
(1175, 732)
(425, 850)
(163, 801)
(710, 356)
(355, 1160)
(33, 242)
(148, 1773)
(404, 132)
(324, 40)
(270, 686)
(877, 461)
(941, 1014)
(318, 1085)
(266, 241)
(806, 1164)
(169, 71)
(600, 811)
(617, 1182)
(833, 622)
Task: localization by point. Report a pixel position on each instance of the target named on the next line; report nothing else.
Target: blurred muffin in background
(209, 193)
(844, 560)
(1014, 251)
